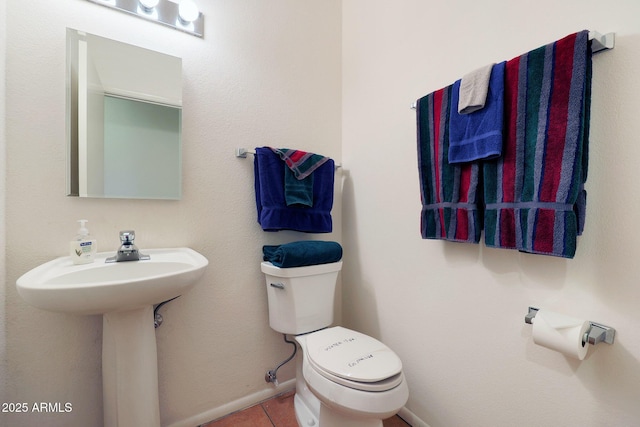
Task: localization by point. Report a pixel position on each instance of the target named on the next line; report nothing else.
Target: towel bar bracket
(596, 333)
(242, 152)
(601, 42)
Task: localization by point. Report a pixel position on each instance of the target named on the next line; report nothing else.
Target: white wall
(3, 145)
(270, 73)
(455, 312)
(267, 73)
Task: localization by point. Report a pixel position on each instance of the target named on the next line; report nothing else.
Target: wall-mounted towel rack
(599, 42)
(242, 152)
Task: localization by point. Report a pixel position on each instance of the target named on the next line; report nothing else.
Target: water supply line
(271, 376)
(157, 317)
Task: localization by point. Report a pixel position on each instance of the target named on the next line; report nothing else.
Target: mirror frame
(99, 68)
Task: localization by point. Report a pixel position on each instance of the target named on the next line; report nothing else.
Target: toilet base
(307, 406)
(331, 418)
(327, 417)
(304, 416)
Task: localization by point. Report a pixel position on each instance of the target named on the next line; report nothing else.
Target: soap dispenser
(83, 249)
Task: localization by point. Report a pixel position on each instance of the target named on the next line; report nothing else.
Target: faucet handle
(127, 236)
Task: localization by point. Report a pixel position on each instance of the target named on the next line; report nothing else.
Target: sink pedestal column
(130, 369)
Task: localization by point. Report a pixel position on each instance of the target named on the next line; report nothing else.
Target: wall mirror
(124, 120)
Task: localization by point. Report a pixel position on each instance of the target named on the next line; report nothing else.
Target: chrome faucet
(128, 250)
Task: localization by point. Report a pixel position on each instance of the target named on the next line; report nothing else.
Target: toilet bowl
(344, 378)
(354, 375)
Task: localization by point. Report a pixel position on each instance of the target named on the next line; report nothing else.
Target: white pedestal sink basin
(124, 293)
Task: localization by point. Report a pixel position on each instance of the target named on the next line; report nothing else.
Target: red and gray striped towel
(533, 197)
(449, 192)
(534, 194)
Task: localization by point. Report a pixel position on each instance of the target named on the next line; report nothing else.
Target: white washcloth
(473, 90)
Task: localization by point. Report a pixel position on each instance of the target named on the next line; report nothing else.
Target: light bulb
(188, 11)
(149, 4)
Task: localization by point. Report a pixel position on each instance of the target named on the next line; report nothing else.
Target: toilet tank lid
(352, 355)
(310, 270)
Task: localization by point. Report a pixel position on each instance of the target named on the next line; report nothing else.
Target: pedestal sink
(124, 293)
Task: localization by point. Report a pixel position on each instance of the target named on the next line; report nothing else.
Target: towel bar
(242, 152)
(599, 42)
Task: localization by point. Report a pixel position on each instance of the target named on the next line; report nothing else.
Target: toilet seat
(353, 359)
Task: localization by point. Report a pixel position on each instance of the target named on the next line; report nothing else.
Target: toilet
(344, 378)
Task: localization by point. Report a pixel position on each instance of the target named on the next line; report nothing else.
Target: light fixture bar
(165, 13)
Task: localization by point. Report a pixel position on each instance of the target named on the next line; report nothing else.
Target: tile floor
(276, 412)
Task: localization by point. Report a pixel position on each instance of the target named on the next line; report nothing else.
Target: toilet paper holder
(597, 332)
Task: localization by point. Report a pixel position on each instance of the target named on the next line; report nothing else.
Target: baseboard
(236, 405)
(411, 418)
(260, 396)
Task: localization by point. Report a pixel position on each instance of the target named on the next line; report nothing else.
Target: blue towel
(303, 253)
(478, 135)
(273, 212)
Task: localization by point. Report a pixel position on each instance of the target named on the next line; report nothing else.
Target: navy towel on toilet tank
(303, 253)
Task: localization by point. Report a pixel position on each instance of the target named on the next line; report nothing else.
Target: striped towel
(301, 163)
(534, 193)
(298, 175)
(448, 192)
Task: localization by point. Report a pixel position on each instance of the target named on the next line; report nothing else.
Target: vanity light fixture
(188, 11)
(148, 5)
(184, 16)
(147, 8)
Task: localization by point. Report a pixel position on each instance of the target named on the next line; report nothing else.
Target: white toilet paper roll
(561, 333)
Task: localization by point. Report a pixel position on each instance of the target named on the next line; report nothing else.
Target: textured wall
(267, 73)
(455, 312)
(3, 146)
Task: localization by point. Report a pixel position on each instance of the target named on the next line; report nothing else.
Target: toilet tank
(301, 298)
